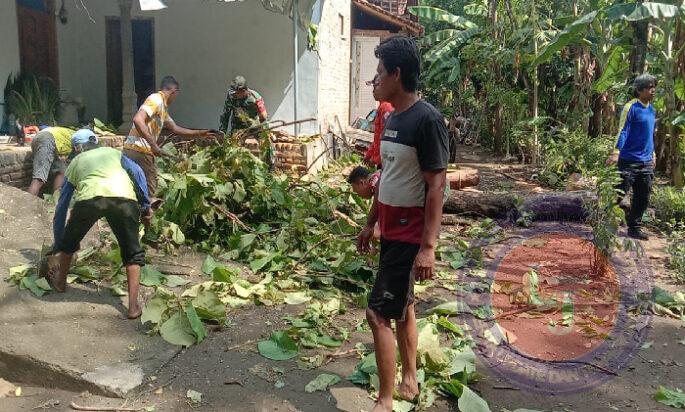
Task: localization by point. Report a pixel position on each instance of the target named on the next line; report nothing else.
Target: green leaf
(674, 398)
(446, 324)
(223, 274)
(209, 265)
(43, 284)
(208, 305)
(680, 120)
(429, 352)
(450, 45)
(195, 323)
(279, 347)
(641, 11)
(150, 276)
(450, 308)
(614, 67)
(117, 290)
(177, 330)
(322, 382)
(194, 397)
(259, 264)
(246, 240)
(471, 402)
(29, 282)
(436, 14)
(402, 406)
(176, 234)
(461, 360)
(154, 309)
(297, 298)
(174, 281)
(573, 33)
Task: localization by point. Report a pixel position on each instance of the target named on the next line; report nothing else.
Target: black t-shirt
(413, 142)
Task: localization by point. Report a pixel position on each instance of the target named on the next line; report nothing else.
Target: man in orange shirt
(373, 154)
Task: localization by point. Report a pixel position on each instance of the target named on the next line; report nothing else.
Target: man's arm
(261, 108)
(425, 259)
(140, 123)
(182, 131)
(137, 176)
(367, 233)
(624, 130)
(66, 192)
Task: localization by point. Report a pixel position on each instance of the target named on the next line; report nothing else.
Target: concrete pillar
(128, 91)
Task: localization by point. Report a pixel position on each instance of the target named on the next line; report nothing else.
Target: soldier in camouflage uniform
(244, 107)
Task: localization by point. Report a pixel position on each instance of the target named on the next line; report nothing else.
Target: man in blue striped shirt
(635, 151)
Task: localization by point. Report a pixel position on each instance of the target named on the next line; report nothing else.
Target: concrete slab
(80, 340)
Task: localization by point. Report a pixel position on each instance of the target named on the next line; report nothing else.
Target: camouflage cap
(239, 83)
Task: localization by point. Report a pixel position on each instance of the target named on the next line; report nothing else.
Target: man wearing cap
(244, 107)
(50, 148)
(141, 144)
(104, 183)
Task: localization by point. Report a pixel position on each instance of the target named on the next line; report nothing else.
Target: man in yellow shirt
(141, 143)
(50, 148)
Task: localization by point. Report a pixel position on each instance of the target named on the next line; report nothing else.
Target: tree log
(539, 206)
(463, 177)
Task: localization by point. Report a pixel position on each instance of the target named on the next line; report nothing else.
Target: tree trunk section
(462, 178)
(540, 206)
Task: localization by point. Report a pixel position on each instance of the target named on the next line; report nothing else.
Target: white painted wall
(334, 66)
(204, 44)
(9, 43)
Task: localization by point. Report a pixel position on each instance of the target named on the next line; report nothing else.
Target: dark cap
(239, 83)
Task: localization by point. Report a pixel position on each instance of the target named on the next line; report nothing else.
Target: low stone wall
(16, 162)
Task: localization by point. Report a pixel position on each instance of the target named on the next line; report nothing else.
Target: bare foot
(382, 407)
(135, 311)
(408, 389)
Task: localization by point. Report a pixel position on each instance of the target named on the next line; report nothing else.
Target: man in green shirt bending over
(104, 183)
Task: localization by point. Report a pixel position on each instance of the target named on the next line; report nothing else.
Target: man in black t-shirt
(408, 208)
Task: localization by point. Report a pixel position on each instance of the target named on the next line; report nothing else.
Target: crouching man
(104, 183)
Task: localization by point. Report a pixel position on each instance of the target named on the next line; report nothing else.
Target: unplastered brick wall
(334, 37)
(294, 157)
(16, 163)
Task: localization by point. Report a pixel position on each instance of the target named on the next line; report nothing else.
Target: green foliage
(445, 368)
(568, 152)
(279, 347)
(676, 251)
(179, 319)
(225, 200)
(322, 382)
(31, 99)
(668, 204)
(674, 398)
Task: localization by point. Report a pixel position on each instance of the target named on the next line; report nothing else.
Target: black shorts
(122, 215)
(394, 287)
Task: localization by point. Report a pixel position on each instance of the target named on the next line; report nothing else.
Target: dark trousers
(123, 216)
(637, 176)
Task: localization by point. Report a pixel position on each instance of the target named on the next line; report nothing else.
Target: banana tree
(444, 44)
(596, 31)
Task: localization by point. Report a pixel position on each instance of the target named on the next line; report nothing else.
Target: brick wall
(334, 63)
(294, 157)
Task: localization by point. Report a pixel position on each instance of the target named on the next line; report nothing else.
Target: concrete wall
(334, 66)
(9, 43)
(204, 44)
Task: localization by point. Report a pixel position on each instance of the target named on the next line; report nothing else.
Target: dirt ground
(231, 375)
